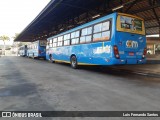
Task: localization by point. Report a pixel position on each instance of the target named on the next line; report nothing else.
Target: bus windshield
(130, 24)
(43, 42)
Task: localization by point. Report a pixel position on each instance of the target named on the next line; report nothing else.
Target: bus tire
(51, 59)
(33, 56)
(74, 63)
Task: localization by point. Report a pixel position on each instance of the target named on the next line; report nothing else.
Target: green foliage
(4, 38)
(16, 35)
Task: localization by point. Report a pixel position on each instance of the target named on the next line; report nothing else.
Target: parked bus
(22, 51)
(37, 49)
(114, 39)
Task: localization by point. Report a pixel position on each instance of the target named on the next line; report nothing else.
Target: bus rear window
(43, 43)
(130, 24)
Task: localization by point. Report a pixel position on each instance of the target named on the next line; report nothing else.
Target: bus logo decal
(99, 50)
(131, 44)
(108, 49)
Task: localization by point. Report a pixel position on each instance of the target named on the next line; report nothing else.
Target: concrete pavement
(27, 84)
(143, 69)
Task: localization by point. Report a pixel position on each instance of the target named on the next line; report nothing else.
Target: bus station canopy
(61, 15)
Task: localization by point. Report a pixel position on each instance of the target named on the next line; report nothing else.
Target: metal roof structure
(61, 15)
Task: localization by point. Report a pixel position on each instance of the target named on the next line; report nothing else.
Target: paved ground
(27, 84)
(141, 69)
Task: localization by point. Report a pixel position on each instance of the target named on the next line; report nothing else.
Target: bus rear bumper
(129, 61)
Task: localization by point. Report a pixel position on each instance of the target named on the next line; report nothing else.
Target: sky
(15, 15)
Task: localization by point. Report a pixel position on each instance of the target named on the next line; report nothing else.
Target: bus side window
(77, 34)
(102, 31)
(60, 41)
(84, 32)
(98, 28)
(82, 39)
(105, 26)
(86, 35)
(55, 42)
(97, 37)
(88, 38)
(66, 39)
(89, 30)
(50, 41)
(75, 37)
(50, 45)
(106, 35)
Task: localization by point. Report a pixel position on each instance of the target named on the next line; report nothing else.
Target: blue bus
(114, 39)
(22, 51)
(37, 49)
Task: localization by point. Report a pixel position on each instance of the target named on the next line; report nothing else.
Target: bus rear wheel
(33, 56)
(51, 59)
(74, 63)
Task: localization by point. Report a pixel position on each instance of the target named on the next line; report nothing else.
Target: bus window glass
(84, 31)
(106, 35)
(82, 39)
(89, 30)
(59, 43)
(55, 40)
(44, 42)
(88, 38)
(60, 38)
(77, 34)
(65, 42)
(68, 36)
(65, 37)
(73, 35)
(76, 40)
(97, 28)
(97, 37)
(73, 41)
(68, 42)
(50, 40)
(105, 26)
(130, 24)
(50, 45)
(54, 44)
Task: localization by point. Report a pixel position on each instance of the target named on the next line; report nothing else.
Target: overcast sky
(15, 15)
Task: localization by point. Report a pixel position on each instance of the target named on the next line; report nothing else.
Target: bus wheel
(33, 56)
(51, 59)
(74, 62)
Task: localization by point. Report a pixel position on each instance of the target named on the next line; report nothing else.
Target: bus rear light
(144, 53)
(116, 52)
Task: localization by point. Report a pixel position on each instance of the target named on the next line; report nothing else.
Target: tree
(16, 35)
(18, 44)
(4, 38)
